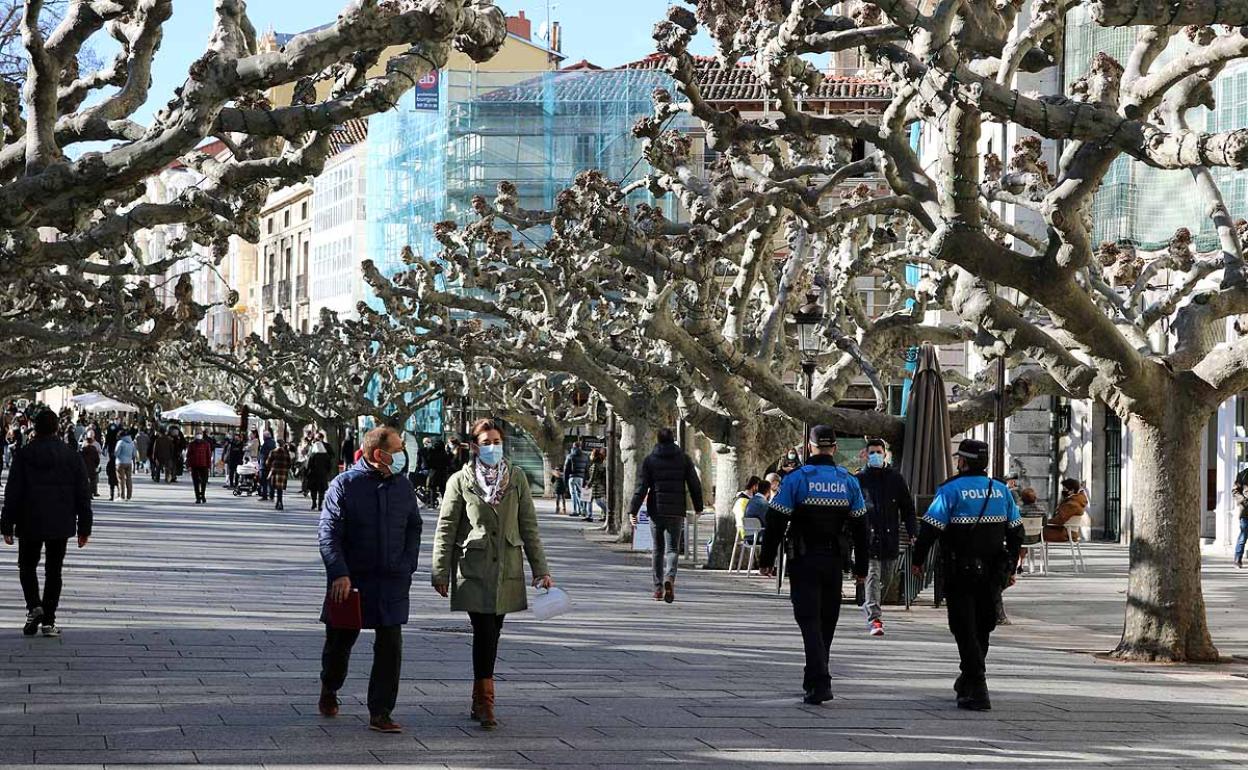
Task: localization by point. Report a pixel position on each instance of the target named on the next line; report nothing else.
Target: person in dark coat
(91, 460)
(438, 463)
(320, 468)
(266, 448)
(46, 502)
(235, 450)
(347, 451)
(889, 504)
(162, 454)
(370, 542)
(661, 483)
(199, 460)
(177, 463)
(575, 473)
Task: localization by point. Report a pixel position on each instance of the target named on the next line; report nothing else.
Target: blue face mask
(491, 454)
(875, 461)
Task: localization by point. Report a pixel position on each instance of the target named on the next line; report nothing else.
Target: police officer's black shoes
(817, 696)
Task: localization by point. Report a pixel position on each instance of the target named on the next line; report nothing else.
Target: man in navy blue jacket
(370, 542)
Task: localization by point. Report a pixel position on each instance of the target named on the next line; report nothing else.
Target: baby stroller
(248, 478)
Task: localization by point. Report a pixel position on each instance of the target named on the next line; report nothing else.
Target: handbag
(346, 614)
(550, 603)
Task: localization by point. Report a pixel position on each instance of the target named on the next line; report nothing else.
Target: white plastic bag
(550, 603)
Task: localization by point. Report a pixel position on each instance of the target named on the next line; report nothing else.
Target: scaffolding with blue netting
(536, 130)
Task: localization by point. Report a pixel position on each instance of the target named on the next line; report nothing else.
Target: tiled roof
(350, 133)
(740, 84)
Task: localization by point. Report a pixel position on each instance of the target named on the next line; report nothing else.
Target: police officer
(816, 503)
(980, 532)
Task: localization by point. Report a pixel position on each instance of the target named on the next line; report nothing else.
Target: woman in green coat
(487, 518)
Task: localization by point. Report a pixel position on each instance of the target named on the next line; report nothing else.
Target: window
(270, 225)
(286, 218)
(303, 211)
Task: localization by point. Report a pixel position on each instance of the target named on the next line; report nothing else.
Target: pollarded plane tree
(327, 378)
(156, 380)
(955, 66)
(74, 156)
(487, 300)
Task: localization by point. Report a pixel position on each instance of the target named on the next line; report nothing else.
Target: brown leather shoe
(328, 704)
(487, 704)
(384, 724)
(669, 592)
(477, 687)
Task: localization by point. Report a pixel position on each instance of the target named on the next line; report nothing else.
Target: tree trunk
(635, 436)
(1165, 616)
(733, 466)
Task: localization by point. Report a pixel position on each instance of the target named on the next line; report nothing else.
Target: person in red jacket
(199, 460)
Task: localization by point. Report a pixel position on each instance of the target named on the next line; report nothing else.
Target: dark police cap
(823, 435)
(974, 451)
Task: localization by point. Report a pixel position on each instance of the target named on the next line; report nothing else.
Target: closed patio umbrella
(926, 447)
(925, 450)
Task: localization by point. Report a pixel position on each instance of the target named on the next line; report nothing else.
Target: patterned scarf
(492, 482)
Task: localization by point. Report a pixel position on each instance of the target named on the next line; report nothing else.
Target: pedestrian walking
(347, 451)
(370, 543)
(487, 519)
(889, 505)
(1240, 493)
(124, 454)
(277, 470)
(665, 475)
(110, 470)
(91, 460)
(142, 443)
(199, 461)
(596, 483)
(560, 486)
(178, 465)
(575, 471)
(162, 453)
(980, 531)
(46, 502)
(266, 448)
(320, 468)
(300, 466)
(235, 452)
(815, 504)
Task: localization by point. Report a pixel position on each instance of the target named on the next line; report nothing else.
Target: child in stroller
(248, 478)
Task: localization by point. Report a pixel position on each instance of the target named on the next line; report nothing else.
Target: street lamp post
(808, 318)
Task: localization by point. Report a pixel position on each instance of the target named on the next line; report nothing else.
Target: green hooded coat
(480, 545)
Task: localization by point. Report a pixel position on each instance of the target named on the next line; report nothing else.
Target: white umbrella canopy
(211, 412)
(98, 402)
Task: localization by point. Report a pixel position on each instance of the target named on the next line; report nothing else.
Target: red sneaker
(877, 628)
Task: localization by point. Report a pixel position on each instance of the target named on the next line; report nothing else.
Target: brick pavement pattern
(190, 636)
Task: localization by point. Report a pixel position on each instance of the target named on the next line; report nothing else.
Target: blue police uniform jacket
(972, 515)
(817, 503)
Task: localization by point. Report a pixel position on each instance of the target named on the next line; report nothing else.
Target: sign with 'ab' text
(427, 89)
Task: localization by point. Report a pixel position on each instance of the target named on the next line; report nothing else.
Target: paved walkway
(190, 637)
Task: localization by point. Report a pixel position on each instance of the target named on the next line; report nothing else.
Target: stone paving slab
(191, 638)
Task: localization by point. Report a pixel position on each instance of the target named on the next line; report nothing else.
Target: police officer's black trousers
(815, 589)
(972, 618)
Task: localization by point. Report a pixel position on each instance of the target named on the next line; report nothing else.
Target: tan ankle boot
(487, 704)
(476, 699)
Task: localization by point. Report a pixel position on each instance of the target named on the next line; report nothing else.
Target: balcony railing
(301, 288)
(283, 292)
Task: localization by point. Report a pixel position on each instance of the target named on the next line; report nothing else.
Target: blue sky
(604, 31)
